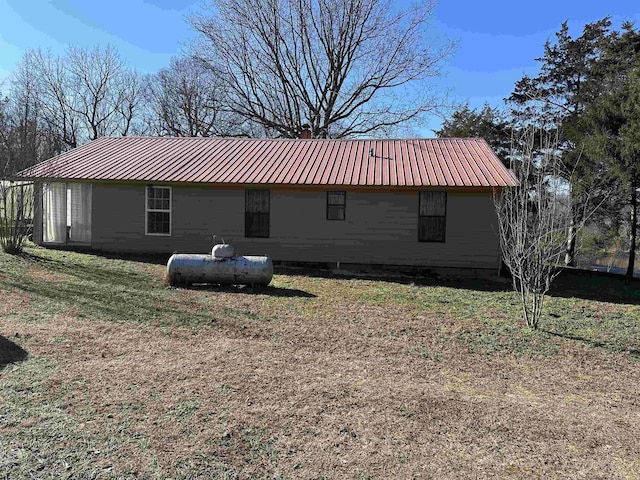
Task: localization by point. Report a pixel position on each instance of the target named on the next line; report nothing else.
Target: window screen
(256, 216)
(336, 205)
(432, 223)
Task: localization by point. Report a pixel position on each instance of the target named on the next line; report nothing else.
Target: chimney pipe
(305, 132)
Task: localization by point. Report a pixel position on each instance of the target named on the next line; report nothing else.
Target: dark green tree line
(611, 125)
(586, 95)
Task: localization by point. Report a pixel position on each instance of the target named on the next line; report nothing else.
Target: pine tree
(489, 123)
(555, 101)
(613, 122)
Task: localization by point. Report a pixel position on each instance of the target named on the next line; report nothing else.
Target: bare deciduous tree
(187, 99)
(85, 94)
(533, 219)
(103, 92)
(55, 97)
(344, 67)
(24, 140)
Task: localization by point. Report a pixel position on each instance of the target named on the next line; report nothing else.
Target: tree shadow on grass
(150, 258)
(112, 303)
(10, 352)
(141, 305)
(460, 278)
(90, 271)
(571, 283)
(598, 286)
(595, 343)
(94, 272)
(485, 280)
(248, 290)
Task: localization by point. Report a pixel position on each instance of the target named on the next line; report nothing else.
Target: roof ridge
(152, 137)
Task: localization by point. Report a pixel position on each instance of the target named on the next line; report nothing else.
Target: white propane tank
(186, 269)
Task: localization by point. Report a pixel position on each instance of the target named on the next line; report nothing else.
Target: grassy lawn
(124, 377)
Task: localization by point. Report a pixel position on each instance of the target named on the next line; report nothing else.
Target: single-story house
(421, 202)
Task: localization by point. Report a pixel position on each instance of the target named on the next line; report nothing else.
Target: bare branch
(188, 100)
(344, 67)
(534, 217)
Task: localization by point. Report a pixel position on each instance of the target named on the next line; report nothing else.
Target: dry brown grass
(336, 381)
(14, 302)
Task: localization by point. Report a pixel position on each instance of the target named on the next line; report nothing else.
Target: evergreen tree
(555, 100)
(489, 123)
(613, 122)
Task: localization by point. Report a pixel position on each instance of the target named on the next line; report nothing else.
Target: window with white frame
(158, 210)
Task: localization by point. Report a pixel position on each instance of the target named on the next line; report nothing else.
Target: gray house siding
(380, 227)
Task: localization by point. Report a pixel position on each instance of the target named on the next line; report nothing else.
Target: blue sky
(497, 40)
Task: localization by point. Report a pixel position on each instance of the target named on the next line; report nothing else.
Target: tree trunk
(570, 251)
(634, 228)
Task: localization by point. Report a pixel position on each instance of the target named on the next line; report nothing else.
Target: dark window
(432, 221)
(336, 205)
(158, 210)
(256, 216)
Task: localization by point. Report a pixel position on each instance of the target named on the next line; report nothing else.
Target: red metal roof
(443, 162)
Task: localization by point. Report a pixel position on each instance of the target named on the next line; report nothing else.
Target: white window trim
(147, 210)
